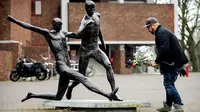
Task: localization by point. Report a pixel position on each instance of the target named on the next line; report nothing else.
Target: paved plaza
(139, 87)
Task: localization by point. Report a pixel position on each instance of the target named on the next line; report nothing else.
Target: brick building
(121, 25)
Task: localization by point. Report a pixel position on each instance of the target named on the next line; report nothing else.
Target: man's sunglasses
(148, 26)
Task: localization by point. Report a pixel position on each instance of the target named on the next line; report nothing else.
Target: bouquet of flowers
(143, 56)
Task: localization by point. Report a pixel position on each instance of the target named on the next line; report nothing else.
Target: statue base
(98, 105)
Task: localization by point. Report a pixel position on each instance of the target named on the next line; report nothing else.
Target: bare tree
(189, 16)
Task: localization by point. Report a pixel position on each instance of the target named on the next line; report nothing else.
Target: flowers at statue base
(143, 57)
(133, 65)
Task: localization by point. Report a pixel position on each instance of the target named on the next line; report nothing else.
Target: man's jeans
(172, 94)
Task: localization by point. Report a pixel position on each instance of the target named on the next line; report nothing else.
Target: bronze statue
(56, 40)
(89, 31)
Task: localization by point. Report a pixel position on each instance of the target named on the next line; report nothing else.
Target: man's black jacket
(169, 50)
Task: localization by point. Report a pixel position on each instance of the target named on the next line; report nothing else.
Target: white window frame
(38, 7)
(124, 1)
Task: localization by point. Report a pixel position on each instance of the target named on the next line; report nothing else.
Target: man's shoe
(177, 108)
(165, 108)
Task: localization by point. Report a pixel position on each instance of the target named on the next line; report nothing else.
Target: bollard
(186, 70)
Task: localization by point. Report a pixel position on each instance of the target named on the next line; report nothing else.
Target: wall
(50, 10)
(116, 59)
(4, 24)
(34, 52)
(21, 10)
(124, 22)
(14, 48)
(5, 64)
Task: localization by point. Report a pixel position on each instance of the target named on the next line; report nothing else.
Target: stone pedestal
(98, 105)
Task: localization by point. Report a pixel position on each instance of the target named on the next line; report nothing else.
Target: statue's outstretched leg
(113, 94)
(117, 98)
(27, 97)
(62, 86)
(76, 76)
(83, 63)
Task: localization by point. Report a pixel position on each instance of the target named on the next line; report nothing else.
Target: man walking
(170, 58)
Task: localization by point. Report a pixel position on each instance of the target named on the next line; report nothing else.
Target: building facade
(121, 24)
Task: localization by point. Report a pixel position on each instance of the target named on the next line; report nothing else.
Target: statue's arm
(26, 25)
(100, 34)
(102, 40)
(78, 35)
(73, 35)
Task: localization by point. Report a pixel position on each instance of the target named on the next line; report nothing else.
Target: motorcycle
(24, 68)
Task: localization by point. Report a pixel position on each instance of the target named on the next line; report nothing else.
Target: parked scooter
(25, 68)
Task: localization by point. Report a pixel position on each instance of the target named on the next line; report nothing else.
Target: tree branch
(197, 43)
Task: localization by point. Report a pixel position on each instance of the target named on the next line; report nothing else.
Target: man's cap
(150, 21)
